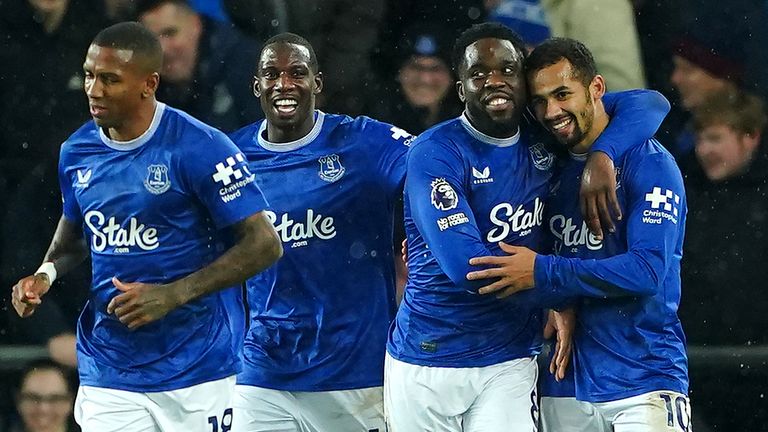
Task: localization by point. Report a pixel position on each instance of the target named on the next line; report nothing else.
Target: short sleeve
(219, 176)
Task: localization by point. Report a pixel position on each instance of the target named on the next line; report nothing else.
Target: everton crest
(157, 180)
(542, 158)
(331, 168)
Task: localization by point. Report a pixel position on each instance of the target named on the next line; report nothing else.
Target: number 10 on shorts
(677, 409)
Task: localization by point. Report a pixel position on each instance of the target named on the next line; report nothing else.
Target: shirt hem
(177, 385)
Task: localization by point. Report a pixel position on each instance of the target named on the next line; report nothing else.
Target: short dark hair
(484, 31)
(553, 50)
(293, 38)
(135, 37)
(144, 6)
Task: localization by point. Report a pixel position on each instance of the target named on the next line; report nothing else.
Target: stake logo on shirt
(135, 234)
(570, 235)
(298, 233)
(517, 219)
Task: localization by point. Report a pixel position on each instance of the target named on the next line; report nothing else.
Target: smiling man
(630, 362)
(458, 361)
(173, 222)
(314, 352)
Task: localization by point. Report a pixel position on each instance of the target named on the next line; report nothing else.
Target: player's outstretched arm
(67, 250)
(257, 248)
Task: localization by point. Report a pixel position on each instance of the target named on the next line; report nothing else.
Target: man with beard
(456, 360)
(630, 361)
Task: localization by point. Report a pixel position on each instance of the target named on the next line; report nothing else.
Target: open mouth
(562, 126)
(286, 106)
(498, 103)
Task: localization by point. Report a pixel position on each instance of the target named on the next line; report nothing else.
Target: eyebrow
(559, 89)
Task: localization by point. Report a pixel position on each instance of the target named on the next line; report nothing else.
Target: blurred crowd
(390, 59)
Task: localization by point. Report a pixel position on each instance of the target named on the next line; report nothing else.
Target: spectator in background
(607, 27)
(41, 82)
(342, 32)
(724, 270)
(727, 244)
(206, 64)
(401, 15)
(716, 48)
(703, 68)
(45, 399)
(425, 94)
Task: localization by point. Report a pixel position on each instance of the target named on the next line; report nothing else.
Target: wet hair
(134, 37)
(483, 31)
(740, 111)
(145, 6)
(45, 364)
(552, 50)
(292, 38)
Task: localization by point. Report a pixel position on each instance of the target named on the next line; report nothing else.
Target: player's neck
(292, 133)
(135, 126)
(493, 129)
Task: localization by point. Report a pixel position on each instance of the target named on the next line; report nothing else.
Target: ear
(460, 91)
(597, 87)
(750, 142)
(151, 85)
(256, 86)
(318, 83)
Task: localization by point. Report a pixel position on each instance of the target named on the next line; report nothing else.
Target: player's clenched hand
(597, 196)
(27, 294)
(561, 324)
(514, 271)
(141, 303)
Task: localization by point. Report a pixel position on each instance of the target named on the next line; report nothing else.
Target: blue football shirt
(465, 192)
(628, 340)
(319, 316)
(153, 210)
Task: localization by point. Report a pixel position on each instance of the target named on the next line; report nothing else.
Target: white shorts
(659, 411)
(566, 414)
(260, 410)
(496, 398)
(203, 407)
